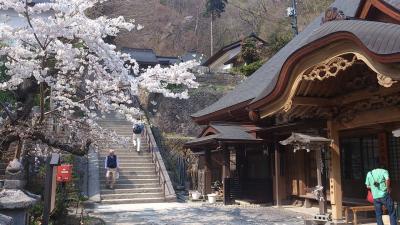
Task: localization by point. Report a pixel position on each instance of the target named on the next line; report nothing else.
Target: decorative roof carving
(349, 112)
(329, 68)
(385, 81)
(333, 13)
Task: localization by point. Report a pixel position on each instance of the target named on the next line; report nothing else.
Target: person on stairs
(137, 135)
(112, 166)
(378, 182)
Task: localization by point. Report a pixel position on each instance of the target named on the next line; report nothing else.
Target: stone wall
(172, 116)
(172, 124)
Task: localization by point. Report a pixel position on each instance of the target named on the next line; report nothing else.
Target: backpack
(137, 129)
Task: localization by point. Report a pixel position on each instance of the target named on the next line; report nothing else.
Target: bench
(357, 209)
(307, 197)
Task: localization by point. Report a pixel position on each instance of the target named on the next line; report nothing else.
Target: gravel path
(194, 214)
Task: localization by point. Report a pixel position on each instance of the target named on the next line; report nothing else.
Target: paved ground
(194, 214)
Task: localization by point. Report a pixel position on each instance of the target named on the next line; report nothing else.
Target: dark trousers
(387, 201)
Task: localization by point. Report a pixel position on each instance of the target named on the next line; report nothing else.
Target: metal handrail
(161, 178)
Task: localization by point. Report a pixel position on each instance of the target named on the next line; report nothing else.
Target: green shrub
(248, 69)
(278, 40)
(249, 52)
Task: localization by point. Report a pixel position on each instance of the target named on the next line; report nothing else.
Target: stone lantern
(14, 201)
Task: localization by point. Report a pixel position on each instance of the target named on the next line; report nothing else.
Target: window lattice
(394, 157)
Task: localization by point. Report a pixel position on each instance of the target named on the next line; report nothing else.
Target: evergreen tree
(214, 9)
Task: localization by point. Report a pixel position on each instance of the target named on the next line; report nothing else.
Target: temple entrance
(255, 175)
(358, 107)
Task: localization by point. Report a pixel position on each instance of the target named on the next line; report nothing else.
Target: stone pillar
(6, 220)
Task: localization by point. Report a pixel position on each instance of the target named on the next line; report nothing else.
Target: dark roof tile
(141, 55)
(226, 132)
(394, 3)
(371, 34)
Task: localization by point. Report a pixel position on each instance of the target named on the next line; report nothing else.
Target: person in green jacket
(378, 182)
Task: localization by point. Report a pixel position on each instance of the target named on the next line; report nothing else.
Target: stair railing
(160, 169)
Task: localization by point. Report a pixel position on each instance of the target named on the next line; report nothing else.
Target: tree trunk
(42, 95)
(212, 37)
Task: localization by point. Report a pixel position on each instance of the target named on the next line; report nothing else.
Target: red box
(64, 173)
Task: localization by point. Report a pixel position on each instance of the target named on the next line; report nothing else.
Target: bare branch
(8, 112)
(83, 100)
(31, 26)
(74, 149)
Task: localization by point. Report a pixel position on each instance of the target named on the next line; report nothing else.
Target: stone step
(125, 153)
(133, 181)
(131, 157)
(128, 156)
(153, 176)
(114, 120)
(124, 161)
(131, 190)
(130, 186)
(132, 169)
(135, 163)
(132, 201)
(132, 195)
(129, 148)
(128, 142)
(133, 173)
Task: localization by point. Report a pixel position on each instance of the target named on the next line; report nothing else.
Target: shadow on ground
(204, 215)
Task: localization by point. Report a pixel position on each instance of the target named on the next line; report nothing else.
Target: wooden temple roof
(228, 133)
(376, 38)
(226, 48)
(256, 83)
(379, 39)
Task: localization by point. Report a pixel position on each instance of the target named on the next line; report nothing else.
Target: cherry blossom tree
(58, 66)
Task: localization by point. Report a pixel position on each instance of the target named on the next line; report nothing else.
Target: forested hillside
(172, 27)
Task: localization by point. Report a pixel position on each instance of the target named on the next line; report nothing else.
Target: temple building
(337, 79)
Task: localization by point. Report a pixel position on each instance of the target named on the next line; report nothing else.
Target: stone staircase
(138, 181)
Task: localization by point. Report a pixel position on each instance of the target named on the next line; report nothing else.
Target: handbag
(370, 198)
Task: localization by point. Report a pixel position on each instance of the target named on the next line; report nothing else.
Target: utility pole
(292, 13)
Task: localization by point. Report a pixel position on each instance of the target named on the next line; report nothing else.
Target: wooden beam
(301, 172)
(226, 162)
(335, 182)
(383, 149)
(344, 99)
(373, 117)
(386, 9)
(365, 9)
(318, 159)
(207, 172)
(277, 174)
(365, 94)
(312, 101)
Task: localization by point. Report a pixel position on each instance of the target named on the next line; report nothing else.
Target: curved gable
(380, 10)
(378, 43)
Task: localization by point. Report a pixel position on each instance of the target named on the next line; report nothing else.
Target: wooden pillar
(277, 174)
(226, 170)
(318, 159)
(207, 172)
(335, 182)
(383, 149)
(301, 172)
